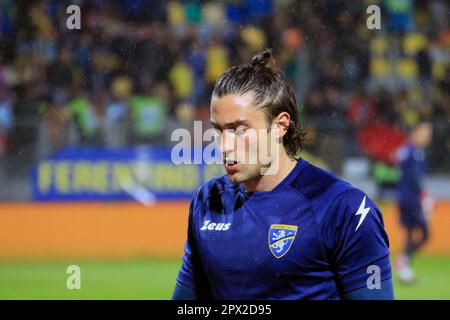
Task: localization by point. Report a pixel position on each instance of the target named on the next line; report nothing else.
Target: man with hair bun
(277, 227)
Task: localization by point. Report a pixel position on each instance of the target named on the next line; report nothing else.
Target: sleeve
(192, 274)
(385, 291)
(182, 292)
(357, 243)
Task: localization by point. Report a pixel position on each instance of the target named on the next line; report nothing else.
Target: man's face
(424, 134)
(242, 136)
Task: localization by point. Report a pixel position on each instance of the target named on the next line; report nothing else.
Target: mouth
(230, 165)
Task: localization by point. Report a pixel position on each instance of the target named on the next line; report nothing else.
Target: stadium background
(86, 118)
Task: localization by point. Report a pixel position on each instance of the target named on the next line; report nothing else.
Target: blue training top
(313, 236)
(411, 160)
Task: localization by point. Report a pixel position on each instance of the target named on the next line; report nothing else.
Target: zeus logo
(215, 226)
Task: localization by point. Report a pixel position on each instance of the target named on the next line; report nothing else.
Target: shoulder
(332, 199)
(350, 226)
(403, 153)
(212, 191)
(409, 154)
(319, 187)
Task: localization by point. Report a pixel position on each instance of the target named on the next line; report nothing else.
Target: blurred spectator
(87, 116)
(56, 119)
(148, 113)
(117, 108)
(361, 109)
(139, 68)
(6, 121)
(400, 15)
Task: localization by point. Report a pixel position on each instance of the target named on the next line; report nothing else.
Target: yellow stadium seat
(415, 94)
(413, 42)
(182, 80)
(438, 70)
(410, 116)
(407, 68)
(175, 13)
(379, 67)
(216, 62)
(378, 45)
(214, 14)
(254, 37)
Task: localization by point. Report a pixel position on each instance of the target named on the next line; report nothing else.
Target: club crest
(281, 237)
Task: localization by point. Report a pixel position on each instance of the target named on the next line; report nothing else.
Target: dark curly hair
(271, 92)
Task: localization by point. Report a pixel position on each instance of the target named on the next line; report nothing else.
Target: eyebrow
(229, 125)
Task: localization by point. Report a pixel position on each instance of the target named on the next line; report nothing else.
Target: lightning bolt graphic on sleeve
(363, 211)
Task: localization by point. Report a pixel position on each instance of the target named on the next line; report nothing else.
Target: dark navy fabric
(312, 237)
(411, 161)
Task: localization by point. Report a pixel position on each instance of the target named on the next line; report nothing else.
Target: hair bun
(261, 59)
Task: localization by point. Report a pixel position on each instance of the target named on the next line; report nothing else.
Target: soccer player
(414, 203)
(278, 229)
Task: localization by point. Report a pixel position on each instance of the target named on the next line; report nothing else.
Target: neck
(415, 143)
(270, 181)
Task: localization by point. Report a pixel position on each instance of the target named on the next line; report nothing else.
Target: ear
(282, 122)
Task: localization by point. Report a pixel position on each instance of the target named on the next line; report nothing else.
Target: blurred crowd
(137, 69)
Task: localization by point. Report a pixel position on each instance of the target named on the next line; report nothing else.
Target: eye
(239, 131)
(216, 133)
